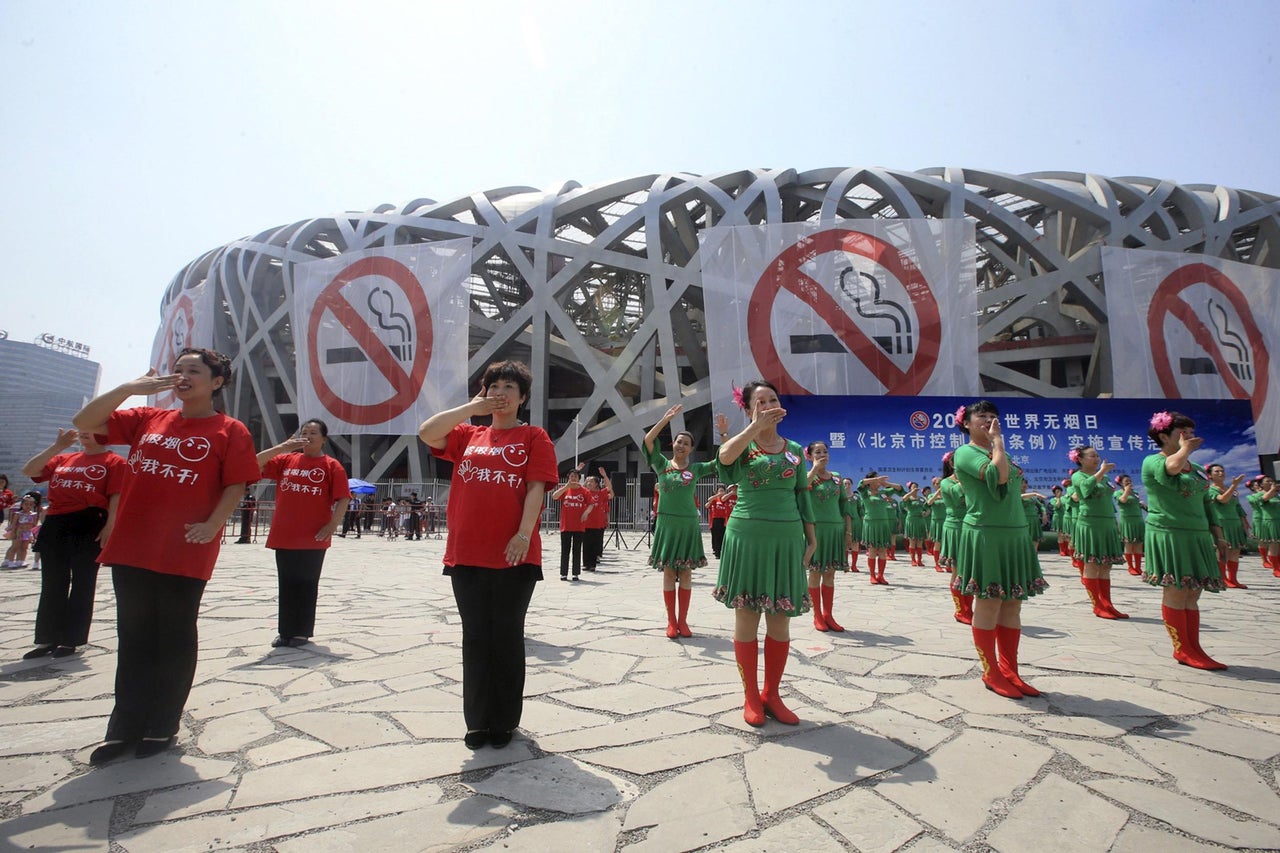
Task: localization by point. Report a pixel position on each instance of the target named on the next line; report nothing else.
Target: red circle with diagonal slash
(406, 385)
(783, 273)
(1166, 300)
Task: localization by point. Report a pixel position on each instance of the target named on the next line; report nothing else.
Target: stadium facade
(599, 288)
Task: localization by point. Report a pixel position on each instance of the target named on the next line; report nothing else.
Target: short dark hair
(515, 371)
(321, 425)
(680, 433)
(975, 408)
(749, 390)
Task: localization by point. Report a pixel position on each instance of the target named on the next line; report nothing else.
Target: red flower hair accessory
(737, 398)
(1074, 455)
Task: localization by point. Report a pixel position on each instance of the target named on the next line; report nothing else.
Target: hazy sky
(136, 135)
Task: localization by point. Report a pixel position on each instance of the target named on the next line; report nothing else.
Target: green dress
(1266, 515)
(913, 526)
(879, 517)
(1132, 529)
(853, 512)
(827, 500)
(1069, 516)
(995, 557)
(1178, 546)
(956, 506)
(937, 516)
(762, 558)
(1059, 507)
(1227, 516)
(677, 536)
(1033, 509)
(1096, 537)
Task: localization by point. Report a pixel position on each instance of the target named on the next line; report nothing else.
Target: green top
(1129, 509)
(771, 486)
(675, 485)
(991, 503)
(1223, 512)
(827, 500)
(953, 499)
(853, 506)
(1096, 500)
(1269, 509)
(878, 507)
(1059, 506)
(914, 507)
(1033, 509)
(1175, 501)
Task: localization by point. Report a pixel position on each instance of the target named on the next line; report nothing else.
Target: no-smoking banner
(848, 307)
(1188, 326)
(382, 336)
(187, 322)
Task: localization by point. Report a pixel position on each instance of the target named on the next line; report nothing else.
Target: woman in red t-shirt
(84, 490)
(575, 507)
(188, 470)
(601, 491)
(493, 555)
(312, 494)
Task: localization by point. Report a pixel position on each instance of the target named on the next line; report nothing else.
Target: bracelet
(521, 536)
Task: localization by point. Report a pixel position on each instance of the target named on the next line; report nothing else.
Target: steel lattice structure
(599, 288)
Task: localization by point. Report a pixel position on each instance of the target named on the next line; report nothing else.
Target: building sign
(61, 344)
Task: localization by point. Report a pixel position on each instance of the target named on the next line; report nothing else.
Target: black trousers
(156, 658)
(350, 519)
(68, 577)
(492, 604)
(592, 547)
(299, 574)
(717, 535)
(415, 526)
(570, 542)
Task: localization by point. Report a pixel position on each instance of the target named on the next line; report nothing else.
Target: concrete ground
(631, 741)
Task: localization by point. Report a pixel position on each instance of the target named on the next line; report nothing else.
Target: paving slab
(1188, 815)
(578, 833)
(83, 827)
(1221, 733)
(660, 723)
(915, 732)
(954, 789)
(1135, 838)
(1210, 776)
(129, 776)
(793, 770)
(868, 822)
(702, 806)
(668, 753)
(798, 833)
(935, 666)
(452, 825)
(558, 783)
(1105, 758)
(1112, 697)
(32, 772)
(345, 730)
(923, 705)
(1057, 816)
(234, 732)
(284, 749)
(1109, 727)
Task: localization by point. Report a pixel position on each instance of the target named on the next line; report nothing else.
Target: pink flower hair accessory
(960, 414)
(1074, 455)
(1161, 421)
(1119, 477)
(737, 398)
(948, 456)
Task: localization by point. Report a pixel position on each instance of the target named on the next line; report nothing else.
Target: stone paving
(634, 742)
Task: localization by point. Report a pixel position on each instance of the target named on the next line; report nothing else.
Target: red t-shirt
(573, 503)
(599, 518)
(179, 468)
(491, 473)
(308, 488)
(81, 480)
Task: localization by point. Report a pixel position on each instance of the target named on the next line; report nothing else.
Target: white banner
(188, 322)
(847, 307)
(381, 336)
(1194, 326)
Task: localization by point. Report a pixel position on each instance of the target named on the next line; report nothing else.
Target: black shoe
(564, 577)
(475, 740)
(294, 642)
(64, 651)
(242, 542)
(279, 641)
(499, 740)
(109, 751)
(38, 652)
(148, 746)
(575, 577)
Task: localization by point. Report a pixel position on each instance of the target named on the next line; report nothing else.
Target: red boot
(748, 655)
(1093, 586)
(669, 596)
(815, 595)
(828, 598)
(1175, 622)
(1007, 640)
(960, 616)
(775, 662)
(1233, 567)
(854, 566)
(967, 600)
(682, 615)
(1193, 640)
(880, 578)
(984, 640)
(1105, 585)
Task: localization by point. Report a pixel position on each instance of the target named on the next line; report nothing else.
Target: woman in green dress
(1181, 536)
(994, 560)
(677, 536)
(954, 503)
(1057, 520)
(1227, 512)
(1096, 536)
(1132, 528)
(879, 520)
(937, 511)
(853, 512)
(834, 533)
(767, 544)
(913, 524)
(1265, 501)
(1072, 500)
